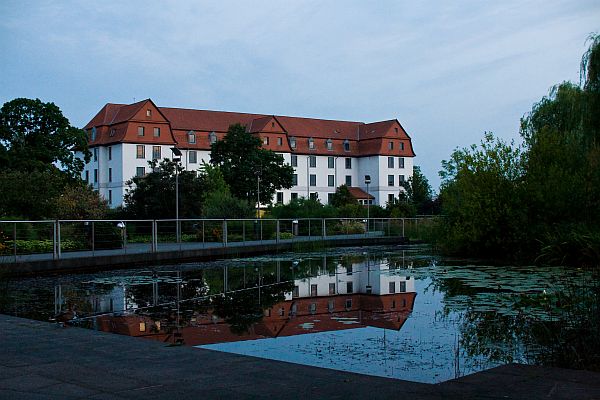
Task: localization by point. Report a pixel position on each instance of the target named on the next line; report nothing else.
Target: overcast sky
(448, 71)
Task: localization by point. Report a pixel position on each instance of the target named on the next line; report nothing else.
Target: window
(110, 174)
(266, 141)
(110, 197)
(148, 113)
(294, 196)
(349, 287)
(312, 308)
(348, 304)
(295, 180)
(191, 137)
(311, 143)
(329, 198)
(95, 175)
(193, 156)
(93, 133)
(330, 180)
(156, 152)
(212, 138)
(402, 287)
(313, 180)
(392, 287)
(109, 153)
(401, 178)
(330, 162)
(279, 141)
(396, 129)
(401, 145)
(282, 312)
(346, 145)
(390, 180)
(313, 161)
(348, 163)
(279, 197)
(349, 270)
(314, 196)
(348, 180)
(313, 290)
(391, 198)
(329, 144)
(294, 160)
(296, 292)
(293, 142)
(140, 171)
(401, 162)
(95, 154)
(156, 132)
(112, 132)
(390, 145)
(330, 305)
(87, 176)
(140, 151)
(140, 131)
(390, 162)
(332, 288)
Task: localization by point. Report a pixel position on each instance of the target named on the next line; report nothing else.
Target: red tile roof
(364, 139)
(360, 194)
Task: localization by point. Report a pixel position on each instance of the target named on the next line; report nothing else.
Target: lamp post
(257, 194)
(367, 181)
(177, 158)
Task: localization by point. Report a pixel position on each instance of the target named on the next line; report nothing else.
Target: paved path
(43, 361)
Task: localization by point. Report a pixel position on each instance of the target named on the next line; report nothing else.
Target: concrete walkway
(43, 361)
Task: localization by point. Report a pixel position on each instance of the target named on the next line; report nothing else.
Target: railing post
(309, 229)
(58, 250)
(54, 241)
(323, 228)
(15, 240)
(154, 237)
(225, 233)
(403, 235)
(93, 238)
(243, 231)
(277, 232)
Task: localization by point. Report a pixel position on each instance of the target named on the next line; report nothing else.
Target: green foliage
(417, 191)
(79, 201)
(342, 197)
(221, 204)
(302, 208)
(35, 136)
(153, 196)
(242, 161)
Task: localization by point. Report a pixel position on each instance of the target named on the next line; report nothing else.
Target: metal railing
(58, 239)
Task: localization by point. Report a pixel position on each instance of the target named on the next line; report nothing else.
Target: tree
(342, 197)
(218, 201)
(80, 202)
(482, 199)
(417, 191)
(153, 196)
(243, 162)
(35, 136)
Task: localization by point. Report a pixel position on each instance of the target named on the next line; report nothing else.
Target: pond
(398, 312)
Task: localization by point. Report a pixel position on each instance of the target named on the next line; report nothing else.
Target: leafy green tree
(242, 161)
(35, 136)
(153, 196)
(80, 201)
(302, 208)
(482, 199)
(218, 201)
(342, 197)
(417, 191)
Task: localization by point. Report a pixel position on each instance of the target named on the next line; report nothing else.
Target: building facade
(324, 153)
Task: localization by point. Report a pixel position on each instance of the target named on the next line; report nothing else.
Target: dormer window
(265, 141)
(329, 144)
(401, 145)
(346, 145)
(140, 131)
(191, 137)
(212, 137)
(293, 142)
(396, 129)
(93, 133)
(148, 113)
(311, 143)
(112, 132)
(390, 145)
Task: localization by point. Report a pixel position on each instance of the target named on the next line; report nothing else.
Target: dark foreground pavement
(43, 361)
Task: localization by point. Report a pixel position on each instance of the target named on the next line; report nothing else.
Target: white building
(324, 153)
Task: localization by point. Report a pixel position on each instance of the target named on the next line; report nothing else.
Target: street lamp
(257, 194)
(177, 158)
(367, 181)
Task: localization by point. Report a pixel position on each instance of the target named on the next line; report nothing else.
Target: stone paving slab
(39, 360)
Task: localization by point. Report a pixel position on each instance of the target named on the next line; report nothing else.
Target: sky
(448, 71)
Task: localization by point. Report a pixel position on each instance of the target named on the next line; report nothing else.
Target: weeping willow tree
(562, 165)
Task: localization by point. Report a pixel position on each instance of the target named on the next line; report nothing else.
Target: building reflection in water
(266, 305)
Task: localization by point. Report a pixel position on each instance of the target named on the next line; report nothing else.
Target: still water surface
(397, 312)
